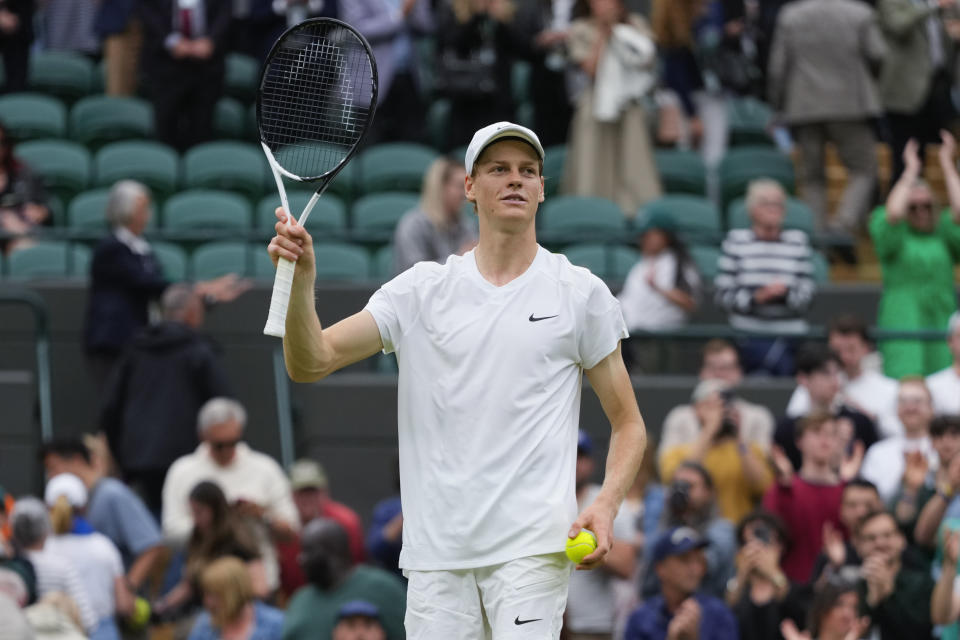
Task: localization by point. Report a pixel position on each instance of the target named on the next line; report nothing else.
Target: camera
(761, 532)
(679, 498)
(728, 428)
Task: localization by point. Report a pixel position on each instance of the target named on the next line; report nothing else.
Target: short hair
(814, 357)
(699, 468)
(825, 598)
(717, 345)
(771, 520)
(757, 187)
(219, 410)
(29, 522)
(873, 515)
(175, 299)
(65, 448)
(229, 580)
(848, 324)
(944, 424)
(122, 201)
(813, 421)
(861, 483)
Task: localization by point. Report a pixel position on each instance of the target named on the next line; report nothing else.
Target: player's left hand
(598, 517)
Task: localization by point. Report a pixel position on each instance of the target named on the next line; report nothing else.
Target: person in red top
(311, 494)
(811, 498)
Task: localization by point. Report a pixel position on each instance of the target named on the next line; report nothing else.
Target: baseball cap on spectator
(307, 474)
(675, 542)
(361, 608)
(486, 136)
(67, 485)
(707, 387)
(584, 443)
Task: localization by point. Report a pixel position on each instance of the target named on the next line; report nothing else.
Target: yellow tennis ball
(581, 546)
(141, 614)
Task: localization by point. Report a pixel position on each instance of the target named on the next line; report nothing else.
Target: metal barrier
(32, 300)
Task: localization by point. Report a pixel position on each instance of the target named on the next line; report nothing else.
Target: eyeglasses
(223, 445)
(921, 206)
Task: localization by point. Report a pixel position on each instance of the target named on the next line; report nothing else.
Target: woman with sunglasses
(918, 247)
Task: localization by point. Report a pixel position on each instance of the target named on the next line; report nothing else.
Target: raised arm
(899, 198)
(310, 351)
(628, 441)
(948, 164)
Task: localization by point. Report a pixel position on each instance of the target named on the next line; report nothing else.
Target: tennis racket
(317, 97)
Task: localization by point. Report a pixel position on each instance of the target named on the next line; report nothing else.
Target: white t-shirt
(945, 388)
(646, 308)
(489, 404)
(883, 464)
(97, 561)
(591, 599)
(870, 393)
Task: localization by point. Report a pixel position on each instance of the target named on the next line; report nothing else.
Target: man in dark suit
(16, 36)
(184, 44)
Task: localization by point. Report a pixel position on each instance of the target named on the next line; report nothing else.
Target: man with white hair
(765, 280)
(250, 479)
(944, 385)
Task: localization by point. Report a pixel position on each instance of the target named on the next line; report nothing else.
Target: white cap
(68, 485)
(483, 138)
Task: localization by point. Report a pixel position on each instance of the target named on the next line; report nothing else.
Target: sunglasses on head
(225, 444)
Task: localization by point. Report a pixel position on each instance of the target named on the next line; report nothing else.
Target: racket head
(317, 98)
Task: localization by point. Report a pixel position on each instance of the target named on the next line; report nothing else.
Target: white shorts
(522, 598)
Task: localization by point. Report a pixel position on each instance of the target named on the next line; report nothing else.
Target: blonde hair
(228, 579)
(757, 188)
(61, 516)
(673, 22)
(431, 194)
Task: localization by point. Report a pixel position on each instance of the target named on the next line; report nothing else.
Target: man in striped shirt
(765, 280)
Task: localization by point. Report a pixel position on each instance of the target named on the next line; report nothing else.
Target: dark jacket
(157, 19)
(149, 412)
(113, 16)
(906, 613)
(122, 284)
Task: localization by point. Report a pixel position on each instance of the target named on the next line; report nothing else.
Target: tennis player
(491, 348)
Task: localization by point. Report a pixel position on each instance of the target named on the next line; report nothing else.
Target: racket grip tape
(280, 299)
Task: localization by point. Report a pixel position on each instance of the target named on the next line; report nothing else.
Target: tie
(186, 23)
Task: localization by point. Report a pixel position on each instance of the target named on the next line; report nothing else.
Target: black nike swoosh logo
(517, 621)
(536, 319)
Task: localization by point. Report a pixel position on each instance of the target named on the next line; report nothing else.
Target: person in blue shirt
(678, 612)
(230, 608)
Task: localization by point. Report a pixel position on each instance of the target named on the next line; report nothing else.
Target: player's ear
(543, 194)
(468, 188)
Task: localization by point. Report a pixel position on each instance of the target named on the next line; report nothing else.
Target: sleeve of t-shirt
(603, 325)
(394, 307)
(138, 530)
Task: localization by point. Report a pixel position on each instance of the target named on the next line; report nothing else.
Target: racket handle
(282, 283)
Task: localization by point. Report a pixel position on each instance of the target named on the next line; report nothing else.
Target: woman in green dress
(918, 248)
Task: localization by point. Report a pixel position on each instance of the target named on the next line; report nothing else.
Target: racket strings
(316, 98)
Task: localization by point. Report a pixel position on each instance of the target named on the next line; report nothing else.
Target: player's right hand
(291, 242)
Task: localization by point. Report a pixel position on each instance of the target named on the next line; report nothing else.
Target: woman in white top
(662, 289)
(95, 557)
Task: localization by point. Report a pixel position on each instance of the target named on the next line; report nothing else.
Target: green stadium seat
(375, 216)
(68, 76)
(152, 163)
(798, 216)
(520, 74)
(742, 165)
(64, 167)
(395, 166)
(97, 120)
(32, 115)
(438, 123)
(58, 212)
(525, 114)
(696, 219)
(383, 263)
(207, 210)
(329, 215)
(610, 262)
(86, 211)
(172, 258)
(681, 171)
(341, 261)
(242, 77)
(580, 218)
(49, 259)
(821, 268)
(706, 257)
(229, 120)
(749, 119)
(235, 166)
(344, 185)
(215, 259)
(555, 158)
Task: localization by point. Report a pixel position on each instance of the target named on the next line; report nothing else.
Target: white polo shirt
(489, 404)
(944, 386)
